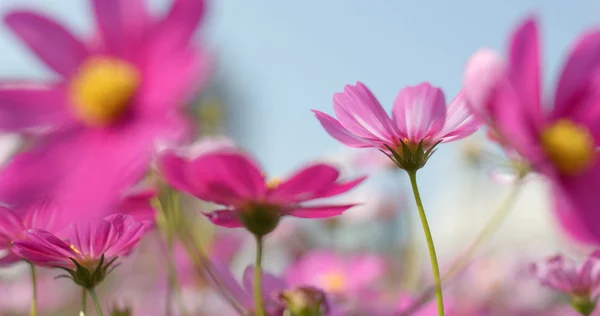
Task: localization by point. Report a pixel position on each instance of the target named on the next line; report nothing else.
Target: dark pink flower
(559, 141)
(567, 276)
(92, 245)
(419, 116)
(116, 94)
(234, 180)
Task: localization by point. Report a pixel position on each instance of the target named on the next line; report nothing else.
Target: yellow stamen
(102, 89)
(570, 146)
(334, 282)
(75, 249)
(273, 183)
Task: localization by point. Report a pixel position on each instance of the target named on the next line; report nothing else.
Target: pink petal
(93, 237)
(483, 73)
(524, 68)
(225, 279)
(172, 168)
(339, 188)
(128, 232)
(576, 79)
(365, 269)
(23, 108)
(337, 131)
(304, 183)
(460, 121)
(322, 211)
(50, 41)
(419, 111)
(177, 28)
(45, 249)
(360, 113)
(10, 227)
(42, 215)
(110, 18)
(139, 206)
(225, 178)
(225, 218)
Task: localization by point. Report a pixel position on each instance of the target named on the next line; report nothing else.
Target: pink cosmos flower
(115, 95)
(336, 274)
(89, 245)
(234, 180)
(559, 143)
(566, 276)
(419, 116)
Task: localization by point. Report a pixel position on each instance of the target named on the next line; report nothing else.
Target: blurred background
(276, 60)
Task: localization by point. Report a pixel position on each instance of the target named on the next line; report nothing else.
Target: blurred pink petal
(341, 134)
(419, 111)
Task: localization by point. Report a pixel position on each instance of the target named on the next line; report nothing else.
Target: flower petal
(27, 107)
(92, 237)
(341, 134)
(42, 215)
(139, 206)
(110, 22)
(225, 218)
(177, 28)
(360, 113)
(304, 183)
(50, 41)
(226, 178)
(419, 111)
(322, 211)
(128, 232)
(339, 188)
(460, 121)
(576, 78)
(484, 70)
(44, 249)
(10, 227)
(524, 68)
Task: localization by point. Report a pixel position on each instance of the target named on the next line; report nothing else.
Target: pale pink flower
(569, 277)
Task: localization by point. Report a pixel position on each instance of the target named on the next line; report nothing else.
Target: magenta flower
(420, 117)
(91, 245)
(114, 97)
(566, 276)
(559, 143)
(336, 274)
(234, 180)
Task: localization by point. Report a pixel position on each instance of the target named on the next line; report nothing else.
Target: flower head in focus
(337, 275)
(234, 180)
(115, 95)
(89, 251)
(581, 282)
(561, 143)
(420, 120)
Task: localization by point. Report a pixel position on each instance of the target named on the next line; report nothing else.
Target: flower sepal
(409, 157)
(82, 275)
(260, 219)
(585, 305)
(304, 301)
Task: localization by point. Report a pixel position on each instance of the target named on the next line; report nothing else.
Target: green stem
(83, 301)
(488, 231)
(96, 301)
(257, 291)
(432, 255)
(33, 311)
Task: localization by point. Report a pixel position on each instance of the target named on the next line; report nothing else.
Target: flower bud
(305, 301)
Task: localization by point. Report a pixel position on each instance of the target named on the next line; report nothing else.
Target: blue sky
(282, 57)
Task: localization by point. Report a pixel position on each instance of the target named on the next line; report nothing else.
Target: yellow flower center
(334, 282)
(102, 89)
(75, 249)
(273, 183)
(570, 146)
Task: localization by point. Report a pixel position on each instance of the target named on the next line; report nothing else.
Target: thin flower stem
(83, 302)
(432, 255)
(487, 232)
(96, 301)
(257, 291)
(33, 311)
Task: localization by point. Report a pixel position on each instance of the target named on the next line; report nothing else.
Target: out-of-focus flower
(560, 144)
(12, 226)
(234, 180)
(336, 274)
(91, 246)
(115, 97)
(420, 120)
(566, 276)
